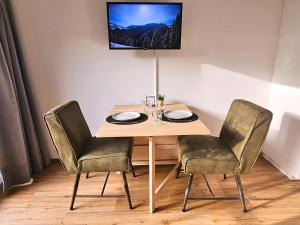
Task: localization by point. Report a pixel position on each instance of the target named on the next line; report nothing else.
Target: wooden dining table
(152, 129)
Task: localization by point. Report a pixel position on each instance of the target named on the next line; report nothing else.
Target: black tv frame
(153, 3)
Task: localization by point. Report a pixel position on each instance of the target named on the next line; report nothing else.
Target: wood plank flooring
(270, 196)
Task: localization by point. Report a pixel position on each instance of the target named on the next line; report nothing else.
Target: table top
(151, 127)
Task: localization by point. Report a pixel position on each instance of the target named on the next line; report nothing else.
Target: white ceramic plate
(126, 116)
(178, 114)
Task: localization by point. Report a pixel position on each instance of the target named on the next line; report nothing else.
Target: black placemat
(141, 119)
(194, 117)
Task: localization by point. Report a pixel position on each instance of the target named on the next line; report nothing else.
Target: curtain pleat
(20, 152)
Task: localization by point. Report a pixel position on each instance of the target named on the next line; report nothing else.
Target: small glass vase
(160, 103)
(160, 109)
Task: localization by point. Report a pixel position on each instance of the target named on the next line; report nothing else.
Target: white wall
(228, 50)
(283, 148)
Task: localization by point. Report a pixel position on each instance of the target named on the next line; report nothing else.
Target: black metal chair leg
(131, 168)
(207, 184)
(87, 175)
(75, 190)
(187, 191)
(240, 188)
(104, 185)
(225, 177)
(178, 169)
(126, 189)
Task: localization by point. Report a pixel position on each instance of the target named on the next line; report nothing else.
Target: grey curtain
(20, 152)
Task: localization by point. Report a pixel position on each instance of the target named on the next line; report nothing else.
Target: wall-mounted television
(144, 25)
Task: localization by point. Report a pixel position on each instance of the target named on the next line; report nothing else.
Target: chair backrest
(69, 133)
(244, 131)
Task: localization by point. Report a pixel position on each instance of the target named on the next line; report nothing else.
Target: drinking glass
(160, 112)
(152, 109)
(143, 98)
(145, 103)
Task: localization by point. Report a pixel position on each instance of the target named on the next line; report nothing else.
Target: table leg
(151, 174)
(172, 174)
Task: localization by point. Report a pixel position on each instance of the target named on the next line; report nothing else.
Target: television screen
(144, 25)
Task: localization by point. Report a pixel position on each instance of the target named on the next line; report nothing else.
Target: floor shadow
(166, 206)
(273, 200)
(290, 221)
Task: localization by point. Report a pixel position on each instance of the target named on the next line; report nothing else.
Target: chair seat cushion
(206, 155)
(106, 154)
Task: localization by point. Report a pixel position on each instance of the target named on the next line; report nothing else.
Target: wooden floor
(270, 196)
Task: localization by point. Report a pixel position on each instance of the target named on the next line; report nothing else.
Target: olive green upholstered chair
(79, 152)
(234, 151)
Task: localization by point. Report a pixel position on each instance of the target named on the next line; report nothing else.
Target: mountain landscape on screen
(147, 26)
